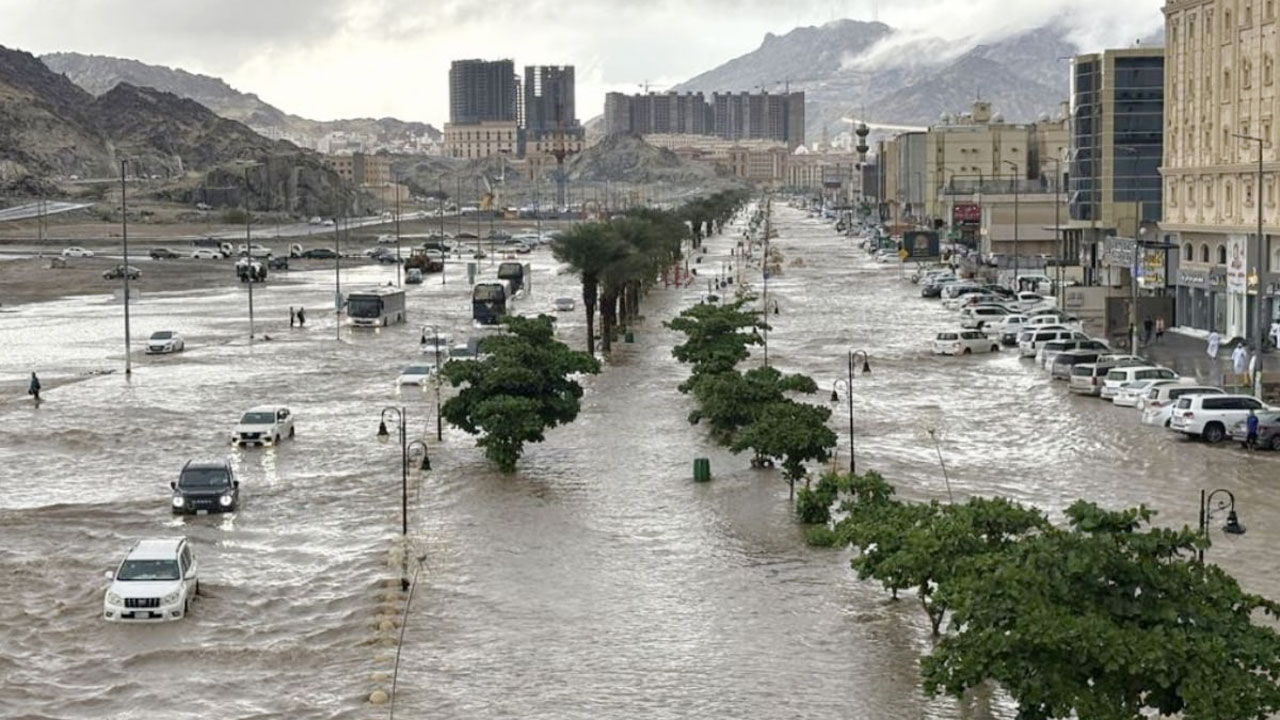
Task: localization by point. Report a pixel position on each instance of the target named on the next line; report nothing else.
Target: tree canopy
(524, 386)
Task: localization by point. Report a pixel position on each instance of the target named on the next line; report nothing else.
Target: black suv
(163, 254)
(319, 254)
(205, 487)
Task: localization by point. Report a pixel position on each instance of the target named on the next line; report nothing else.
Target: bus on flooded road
(376, 307)
(489, 301)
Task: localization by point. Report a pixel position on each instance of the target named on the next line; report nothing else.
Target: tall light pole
(854, 355)
(124, 233)
(1259, 306)
(1232, 526)
(337, 276)
(395, 187)
(1057, 230)
(1016, 256)
(248, 250)
(436, 377)
(1137, 248)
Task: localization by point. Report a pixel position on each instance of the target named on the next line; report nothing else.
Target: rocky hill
(98, 74)
(856, 69)
(624, 158)
(51, 129)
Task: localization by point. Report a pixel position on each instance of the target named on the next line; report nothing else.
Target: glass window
(1222, 254)
(1204, 253)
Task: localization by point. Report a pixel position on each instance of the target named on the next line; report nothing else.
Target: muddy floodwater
(597, 582)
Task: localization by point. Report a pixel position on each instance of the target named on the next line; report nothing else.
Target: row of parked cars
(992, 317)
(159, 577)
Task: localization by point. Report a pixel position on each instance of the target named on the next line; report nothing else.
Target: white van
(1030, 342)
(1121, 375)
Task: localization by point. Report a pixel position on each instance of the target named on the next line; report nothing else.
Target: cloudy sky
(328, 59)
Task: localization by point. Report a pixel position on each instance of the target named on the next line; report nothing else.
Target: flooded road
(598, 581)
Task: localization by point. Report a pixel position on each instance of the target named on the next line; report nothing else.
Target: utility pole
(124, 234)
(248, 251)
(1016, 263)
(337, 277)
(1260, 328)
(395, 187)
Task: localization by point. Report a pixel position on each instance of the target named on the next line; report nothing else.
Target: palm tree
(589, 248)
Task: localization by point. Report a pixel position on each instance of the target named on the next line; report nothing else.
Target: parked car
(1087, 378)
(413, 276)
(1121, 375)
(1032, 300)
(1158, 404)
(1063, 362)
(416, 375)
(563, 304)
(1209, 416)
(165, 341)
(263, 425)
(957, 295)
(255, 250)
(278, 263)
(1131, 393)
(319, 253)
(1268, 431)
(1030, 340)
(118, 272)
(963, 342)
(77, 252)
(1007, 329)
(163, 254)
(205, 254)
(155, 582)
(1048, 351)
(204, 487)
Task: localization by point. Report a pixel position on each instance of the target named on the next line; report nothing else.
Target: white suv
(963, 342)
(1210, 416)
(1157, 406)
(156, 582)
(264, 425)
(1120, 375)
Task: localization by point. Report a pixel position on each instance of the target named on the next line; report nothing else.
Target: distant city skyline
(330, 59)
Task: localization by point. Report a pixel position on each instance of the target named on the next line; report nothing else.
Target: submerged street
(598, 581)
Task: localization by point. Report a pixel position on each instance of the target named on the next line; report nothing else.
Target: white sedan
(1131, 393)
(205, 254)
(416, 375)
(563, 304)
(263, 425)
(963, 342)
(77, 252)
(165, 341)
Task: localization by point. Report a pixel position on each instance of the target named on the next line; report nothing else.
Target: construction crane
(645, 85)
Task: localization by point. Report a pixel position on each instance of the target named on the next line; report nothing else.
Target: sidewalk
(1186, 353)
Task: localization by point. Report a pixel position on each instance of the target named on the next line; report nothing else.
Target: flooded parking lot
(598, 581)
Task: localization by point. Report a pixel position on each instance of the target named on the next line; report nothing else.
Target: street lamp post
(1259, 326)
(337, 276)
(1057, 231)
(436, 376)
(1016, 256)
(124, 233)
(1231, 527)
(248, 250)
(398, 415)
(395, 187)
(854, 355)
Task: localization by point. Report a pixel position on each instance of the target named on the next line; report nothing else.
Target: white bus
(375, 307)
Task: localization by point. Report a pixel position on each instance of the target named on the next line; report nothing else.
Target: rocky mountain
(624, 158)
(98, 74)
(51, 129)
(849, 68)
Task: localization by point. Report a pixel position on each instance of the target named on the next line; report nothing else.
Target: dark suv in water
(205, 487)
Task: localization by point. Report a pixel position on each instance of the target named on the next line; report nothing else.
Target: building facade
(481, 140)
(729, 116)
(483, 91)
(1221, 108)
(549, 98)
(361, 168)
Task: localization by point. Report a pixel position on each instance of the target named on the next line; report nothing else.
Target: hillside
(624, 158)
(849, 68)
(98, 74)
(50, 130)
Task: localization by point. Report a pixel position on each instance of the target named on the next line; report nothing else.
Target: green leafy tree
(730, 400)
(1108, 619)
(792, 432)
(716, 337)
(522, 388)
(923, 545)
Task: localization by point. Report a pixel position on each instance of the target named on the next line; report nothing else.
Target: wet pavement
(598, 581)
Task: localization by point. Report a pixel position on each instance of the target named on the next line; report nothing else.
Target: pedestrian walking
(1251, 431)
(1239, 357)
(1275, 334)
(1214, 341)
(1148, 327)
(34, 388)
(293, 316)
(1159, 328)
(302, 319)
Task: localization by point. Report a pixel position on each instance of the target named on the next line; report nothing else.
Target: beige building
(361, 168)
(759, 167)
(1220, 83)
(482, 139)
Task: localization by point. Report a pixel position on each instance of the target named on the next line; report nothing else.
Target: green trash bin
(629, 336)
(701, 470)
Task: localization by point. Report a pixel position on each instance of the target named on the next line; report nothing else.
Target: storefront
(1202, 301)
